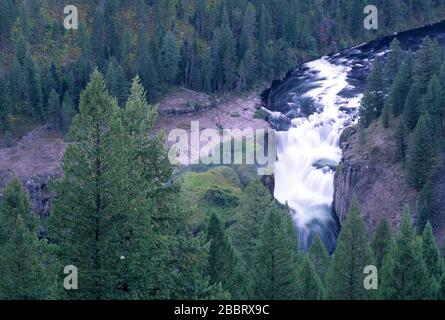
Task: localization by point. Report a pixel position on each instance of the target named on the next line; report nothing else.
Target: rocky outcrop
(370, 172)
(34, 161)
(184, 101)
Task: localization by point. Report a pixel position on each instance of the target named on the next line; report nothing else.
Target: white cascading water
(308, 151)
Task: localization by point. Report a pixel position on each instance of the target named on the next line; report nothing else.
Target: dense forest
(407, 93)
(210, 46)
(122, 218)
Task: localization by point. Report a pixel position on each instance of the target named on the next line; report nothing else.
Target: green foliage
(425, 205)
(169, 58)
(404, 274)
(382, 241)
(400, 87)
(53, 110)
(431, 254)
(393, 63)
(310, 286)
(24, 274)
(411, 112)
(344, 280)
(224, 264)
(103, 200)
(275, 275)
(319, 257)
(401, 146)
(67, 112)
(421, 154)
(372, 103)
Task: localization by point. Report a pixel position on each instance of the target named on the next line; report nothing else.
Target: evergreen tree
(117, 82)
(190, 281)
(275, 275)
(253, 208)
(425, 205)
(400, 87)
(67, 112)
(392, 64)
(224, 263)
(433, 103)
(411, 111)
(319, 257)
(5, 105)
(310, 286)
(53, 113)
(21, 250)
(344, 280)
(420, 158)
(427, 62)
(24, 276)
(401, 147)
(99, 217)
(382, 241)
(15, 202)
(431, 254)
(404, 275)
(146, 66)
(372, 103)
(169, 55)
(385, 116)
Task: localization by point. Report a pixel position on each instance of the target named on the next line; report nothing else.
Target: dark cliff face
(370, 172)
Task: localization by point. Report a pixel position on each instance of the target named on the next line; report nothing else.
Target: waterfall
(309, 152)
(307, 136)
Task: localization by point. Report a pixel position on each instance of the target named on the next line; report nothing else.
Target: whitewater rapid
(309, 152)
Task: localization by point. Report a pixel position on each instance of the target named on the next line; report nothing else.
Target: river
(309, 109)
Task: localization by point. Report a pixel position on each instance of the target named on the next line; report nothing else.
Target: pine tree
(253, 208)
(372, 104)
(24, 276)
(385, 116)
(190, 280)
(53, 113)
(169, 55)
(427, 62)
(392, 64)
(400, 87)
(310, 286)
(401, 147)
(425, 205)
(411, 111)
(275, 275)
(404, 275)
(433, 103)
(67, 112)
(146, 66)
(382, 241)
(14, 202)
(117, 82)
(21, 250)
(224, 265)
(99, 217)
(431, 253)
(420, 158)
(344, 280)
(319, 257)
(5, 105)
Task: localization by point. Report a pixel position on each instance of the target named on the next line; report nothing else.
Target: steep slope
(370, 172)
